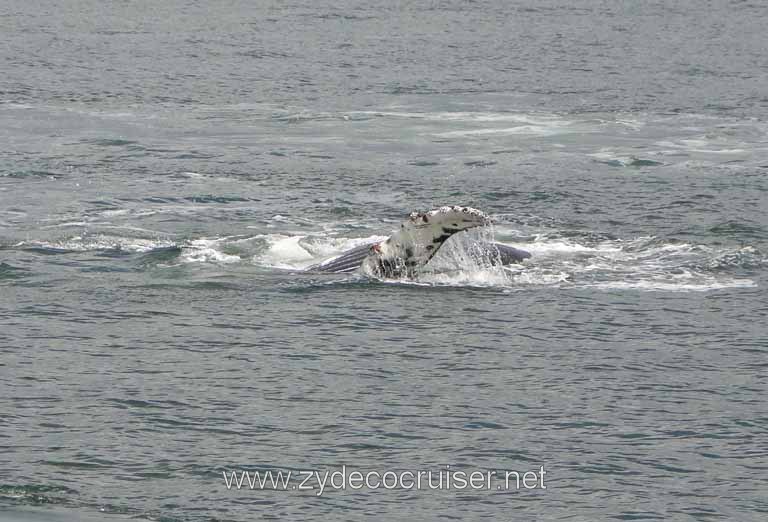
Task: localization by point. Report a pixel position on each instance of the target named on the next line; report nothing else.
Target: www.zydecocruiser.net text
(444, 479)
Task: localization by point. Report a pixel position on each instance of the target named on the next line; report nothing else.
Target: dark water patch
(342, 16)
(399, 435)
(103, 203)
(737, 230)
(161, 475)
(11, 272)
(91, 463)
(632, 436)
(301, 356)
(656, 181)
(158, 256)
(162, 286)
(195, 155)
(639, 515)
(44, 310)
(140, 404)
(423, 163)
(580, 424)
(606, 469)
(499, 195)
(37, 494)
(400, 90)
(235, 326)
(631, 162)
(554, 196)
(213, 285)
(31, 174)
(361, 446)
(483, 425)
(54, 426)
(114, 32)
(112, 252)
(176, 100)
(671, 469)
(150, 199)
(165, 422)
(640, 162)
(105, 269)
(304, 118)
(110, 142)
(210, 198)
(261, 54)
(480, 163)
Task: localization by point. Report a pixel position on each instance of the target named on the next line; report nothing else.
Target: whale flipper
(349, 261)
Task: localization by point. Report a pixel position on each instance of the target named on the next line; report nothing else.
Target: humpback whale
(416, 242)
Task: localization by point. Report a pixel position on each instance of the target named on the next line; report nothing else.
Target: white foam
(102, 242)
(624, 160)
(641, 263)
(531, 130)
(543, 246)
(67, 224)
(720, 151)
(14, 105)
(540, 277)
(207, 251)
(207, 255)
(540, 119)
(693, 143)
(495, 276)
(285, 252)
(115, 213)
(299, 251)
(703, 145)
(658, 286)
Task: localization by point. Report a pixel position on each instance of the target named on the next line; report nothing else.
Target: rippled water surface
(168, 170)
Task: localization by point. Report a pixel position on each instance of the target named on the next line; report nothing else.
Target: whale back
(498, 253)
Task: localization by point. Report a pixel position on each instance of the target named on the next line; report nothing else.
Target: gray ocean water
(168, 168)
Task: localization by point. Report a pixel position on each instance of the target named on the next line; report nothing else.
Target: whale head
(419, 238)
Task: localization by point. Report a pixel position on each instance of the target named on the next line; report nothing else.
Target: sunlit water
(169, 170)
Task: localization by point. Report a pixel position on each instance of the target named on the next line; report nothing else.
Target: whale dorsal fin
(418, 239)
